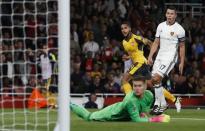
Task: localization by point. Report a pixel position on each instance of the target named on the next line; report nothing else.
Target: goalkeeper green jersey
(129, 109)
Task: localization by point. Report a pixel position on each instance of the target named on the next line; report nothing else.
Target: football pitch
(187, 120)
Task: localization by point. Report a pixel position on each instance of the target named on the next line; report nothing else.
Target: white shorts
(162, 67)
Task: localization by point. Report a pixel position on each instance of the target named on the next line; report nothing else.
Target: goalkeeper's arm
(142, 117)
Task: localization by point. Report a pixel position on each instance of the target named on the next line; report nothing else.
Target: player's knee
(122, 89)
(149, 84)
(123, 81)
(125, 78)
(156, 79)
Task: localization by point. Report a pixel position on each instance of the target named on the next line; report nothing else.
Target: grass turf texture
(179, 122)
(187, 120)
(27, 120)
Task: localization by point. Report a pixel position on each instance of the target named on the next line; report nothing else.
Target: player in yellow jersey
(133, 46)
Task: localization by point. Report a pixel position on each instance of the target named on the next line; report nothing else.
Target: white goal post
(64, 62)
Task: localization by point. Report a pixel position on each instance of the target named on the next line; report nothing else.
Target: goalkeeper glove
(160, 118)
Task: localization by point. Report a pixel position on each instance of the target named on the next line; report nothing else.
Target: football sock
(169, 96)
(126, 87)
(159, 96)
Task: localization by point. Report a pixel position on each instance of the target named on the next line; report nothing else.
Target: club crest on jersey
(132, 43)
(171, 33)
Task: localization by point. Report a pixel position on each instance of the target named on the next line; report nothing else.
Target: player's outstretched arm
(142, 115)
(160, 118)
(147, 42)
(182, 56)
(137, 117)
(153, 50)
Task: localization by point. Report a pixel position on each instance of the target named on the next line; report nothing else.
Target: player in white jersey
(169, 36)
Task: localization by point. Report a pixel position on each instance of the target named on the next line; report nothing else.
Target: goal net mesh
(28, 64)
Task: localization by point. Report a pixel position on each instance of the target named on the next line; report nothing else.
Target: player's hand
(143, 115)
(181, 67)
(125, 57)
(160, 118)
(149, 61)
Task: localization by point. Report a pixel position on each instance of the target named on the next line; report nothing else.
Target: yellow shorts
(140, 70)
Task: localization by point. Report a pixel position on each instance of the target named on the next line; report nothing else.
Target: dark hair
(139, 78)
(171, 8)
(126, 22)
(89, 98)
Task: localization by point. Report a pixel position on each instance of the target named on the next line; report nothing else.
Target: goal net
(28, 64)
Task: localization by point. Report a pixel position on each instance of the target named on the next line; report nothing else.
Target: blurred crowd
(96, 56)
(28, 46)
(29, 42)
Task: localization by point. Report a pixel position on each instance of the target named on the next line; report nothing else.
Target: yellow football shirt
(135, 49)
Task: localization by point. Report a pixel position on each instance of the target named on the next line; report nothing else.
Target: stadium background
(98, 62)
(27, 26)
(101, 68)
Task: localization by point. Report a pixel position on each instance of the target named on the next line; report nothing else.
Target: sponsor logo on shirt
(132, 43)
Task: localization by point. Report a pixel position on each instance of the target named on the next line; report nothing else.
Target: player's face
(125, 29)
(171, 16)
(139, 87)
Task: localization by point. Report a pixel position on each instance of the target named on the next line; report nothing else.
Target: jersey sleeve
(157, 35)
(148, 104)
(134, 113)
(139, 39)
(181, 35)
(132, 109)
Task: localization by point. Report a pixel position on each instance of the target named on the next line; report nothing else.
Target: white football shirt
(170, 36)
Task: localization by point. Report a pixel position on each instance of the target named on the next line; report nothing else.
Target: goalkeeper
(134, 107)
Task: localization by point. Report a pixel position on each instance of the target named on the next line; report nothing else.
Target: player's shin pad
(160, 118)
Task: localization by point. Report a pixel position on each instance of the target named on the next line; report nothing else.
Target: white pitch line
(7, 129)
(193, 119)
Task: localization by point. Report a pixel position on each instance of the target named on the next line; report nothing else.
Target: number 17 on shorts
(162, 67)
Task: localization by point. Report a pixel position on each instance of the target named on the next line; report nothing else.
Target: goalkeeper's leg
(80, 111)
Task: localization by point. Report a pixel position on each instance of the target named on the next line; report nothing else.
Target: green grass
(175, 125)
(179, 121)
(40, 120)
